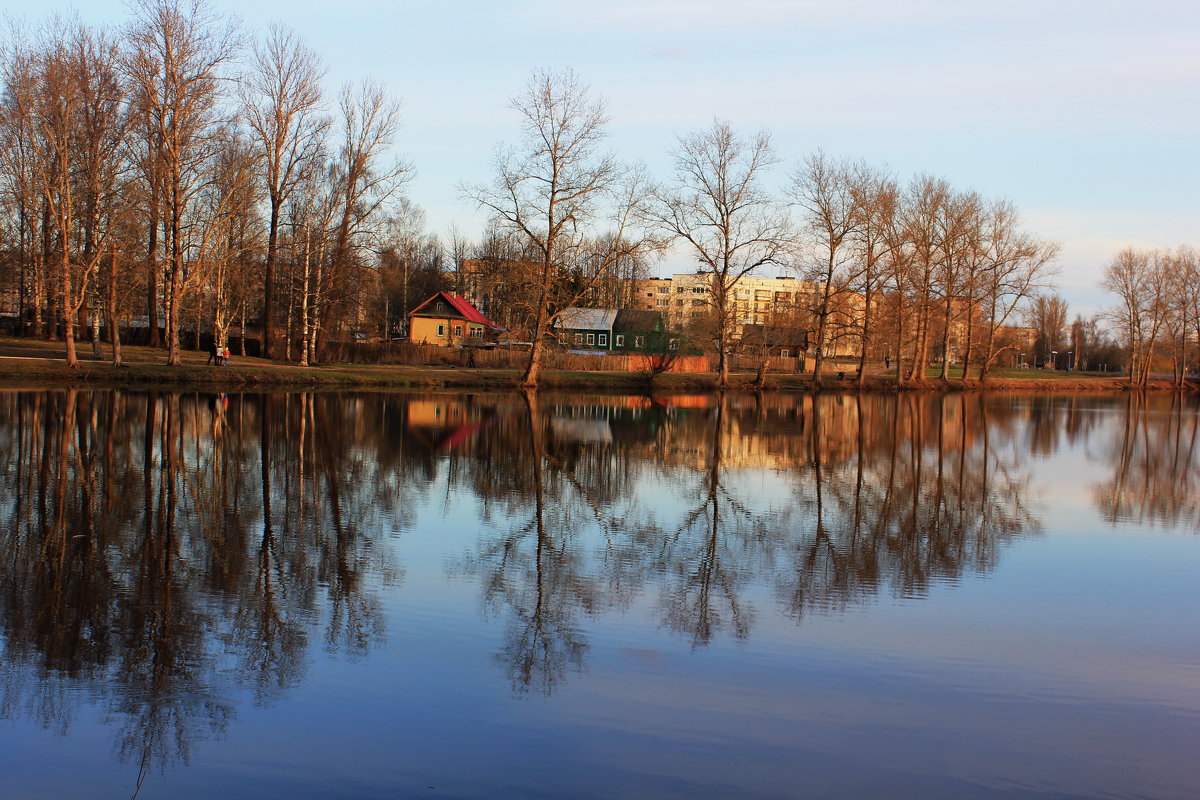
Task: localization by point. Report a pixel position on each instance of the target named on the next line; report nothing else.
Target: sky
(1083, 113)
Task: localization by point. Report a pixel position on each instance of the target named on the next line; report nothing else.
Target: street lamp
(1053, 359)
(1069, 361)
(1021, 363)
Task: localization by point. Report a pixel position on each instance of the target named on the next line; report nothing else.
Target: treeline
(180, 173)
(1159, 311)
(177, 177)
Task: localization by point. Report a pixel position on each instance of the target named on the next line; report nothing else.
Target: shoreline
(25, 364)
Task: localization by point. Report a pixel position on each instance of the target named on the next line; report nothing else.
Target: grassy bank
(25, 362)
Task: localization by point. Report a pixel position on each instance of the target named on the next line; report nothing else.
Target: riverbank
(25, 362)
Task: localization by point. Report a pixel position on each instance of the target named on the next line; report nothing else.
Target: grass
(28, 362)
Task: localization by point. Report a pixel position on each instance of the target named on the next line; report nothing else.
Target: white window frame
(458, 330)
(591, 338)
(639, 341)
(441, 330)
(619, 340)
(579, 338)
(602, 340)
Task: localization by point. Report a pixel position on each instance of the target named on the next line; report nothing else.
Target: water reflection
(168, 557)
(164, 551)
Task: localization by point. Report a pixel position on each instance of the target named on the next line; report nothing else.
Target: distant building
(586, 328)
(639, 331)
(448, 320)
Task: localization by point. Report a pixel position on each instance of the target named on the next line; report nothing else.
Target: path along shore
(39, 363)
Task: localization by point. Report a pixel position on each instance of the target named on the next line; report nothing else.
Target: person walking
(225, 358)
(212, 354)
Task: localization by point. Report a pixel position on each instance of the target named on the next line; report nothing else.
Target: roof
(460, 305)
(587, 319)
(635, 320)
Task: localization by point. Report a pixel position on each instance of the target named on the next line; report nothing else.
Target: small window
(664, 290)
(679, 302)
(603, 340)
(679, 290)
(458, 330)
(785, 353)
(664, 302)
(619, 340)
(591, 338)
(697, 290)
(441, 331)
(673, 345)
(441, 307)
(579, 338)
(697, 302)
(639, 341)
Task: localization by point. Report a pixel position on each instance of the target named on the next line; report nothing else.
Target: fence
(405, 352)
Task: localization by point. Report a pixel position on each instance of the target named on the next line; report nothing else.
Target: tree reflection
(533, 567)
(582, 514)
(165, 552)
(925, 497)
(1155, 455)
(167, 556)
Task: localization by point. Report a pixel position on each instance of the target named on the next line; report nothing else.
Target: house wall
(574, 342)
(424, 330)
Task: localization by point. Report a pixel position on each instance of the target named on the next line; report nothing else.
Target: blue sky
(1084, 114)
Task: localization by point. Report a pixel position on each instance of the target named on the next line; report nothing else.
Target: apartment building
(756, 301)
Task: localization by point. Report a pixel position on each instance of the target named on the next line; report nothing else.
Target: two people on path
(218, 354)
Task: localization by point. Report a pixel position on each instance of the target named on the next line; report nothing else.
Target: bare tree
(1139, 279)
(555, 191)
(178, 51)
(77, 119)
(362, 184)
(284, 110)
(19, 173)
(1048, 315)
(876, 199)
(824, 189)
(1014, 266)
(719, 208)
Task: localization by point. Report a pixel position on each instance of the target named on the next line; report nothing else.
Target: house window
(619, 340)
(697, 290)
(639, 341)
(664, 290)
(664, 302)
(458, 330)
(673, 345)
(591, 338)
(679, 290)
(579, 338)
(697, 302)
(441, 307)
(785, 353)
(441, 331)
(603, 340)
(679, 302)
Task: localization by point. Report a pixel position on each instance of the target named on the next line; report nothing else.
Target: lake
(377, 595)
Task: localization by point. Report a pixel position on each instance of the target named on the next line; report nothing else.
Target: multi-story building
(763, 303)
(756, 301)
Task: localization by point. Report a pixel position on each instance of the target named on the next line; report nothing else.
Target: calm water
(382, 596)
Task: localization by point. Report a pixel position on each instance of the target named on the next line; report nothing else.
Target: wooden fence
(404, 352)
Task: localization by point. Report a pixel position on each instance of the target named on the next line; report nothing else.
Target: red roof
(460, 304)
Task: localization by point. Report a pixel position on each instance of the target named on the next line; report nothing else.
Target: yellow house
(447, 320)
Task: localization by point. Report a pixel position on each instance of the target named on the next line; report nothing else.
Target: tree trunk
(269, 282)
